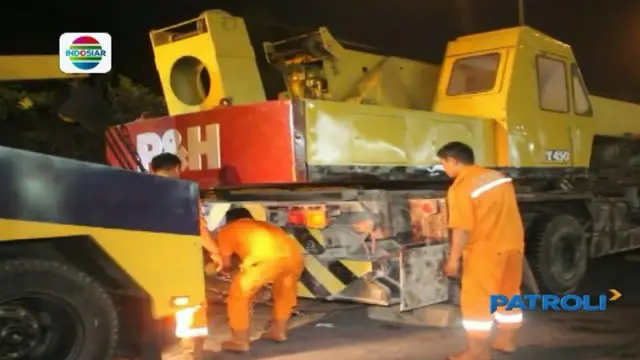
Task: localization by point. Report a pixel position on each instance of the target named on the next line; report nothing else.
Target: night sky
(605, 35)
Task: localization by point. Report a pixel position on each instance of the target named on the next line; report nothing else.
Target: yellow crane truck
(353, 141)
(87, 252)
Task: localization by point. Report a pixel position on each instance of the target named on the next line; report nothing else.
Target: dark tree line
(29, 118)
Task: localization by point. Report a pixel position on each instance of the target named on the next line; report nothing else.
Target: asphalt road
(614, 334)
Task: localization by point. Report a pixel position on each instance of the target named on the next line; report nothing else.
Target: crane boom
(32, 67)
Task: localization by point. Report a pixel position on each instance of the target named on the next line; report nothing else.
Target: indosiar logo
(85, 53)
(547, 302)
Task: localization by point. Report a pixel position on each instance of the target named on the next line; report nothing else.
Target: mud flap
(422, 281)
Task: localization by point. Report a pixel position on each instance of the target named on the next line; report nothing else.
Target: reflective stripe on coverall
(268, 255)
(483, 202)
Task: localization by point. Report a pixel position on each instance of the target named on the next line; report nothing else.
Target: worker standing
(267, 255)
(487, 234)
(169, 165)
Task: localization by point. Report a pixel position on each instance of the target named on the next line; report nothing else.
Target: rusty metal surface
(421, 279)
(428, 220)
(365, 290)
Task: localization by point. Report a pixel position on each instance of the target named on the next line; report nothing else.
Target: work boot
(505, 340)
(277, 331)
(239, 342)
(476, 350)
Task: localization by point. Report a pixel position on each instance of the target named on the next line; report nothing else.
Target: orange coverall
(268, 255)
(483, 202)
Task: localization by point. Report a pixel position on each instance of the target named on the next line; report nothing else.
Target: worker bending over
(169, 165)
(267, 255)
(487, 234)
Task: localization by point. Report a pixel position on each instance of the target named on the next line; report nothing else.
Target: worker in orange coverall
(487, 234)
(267, 255)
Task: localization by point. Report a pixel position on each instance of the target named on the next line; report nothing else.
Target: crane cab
(530, 85)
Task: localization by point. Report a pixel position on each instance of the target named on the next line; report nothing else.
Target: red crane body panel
(234, 145)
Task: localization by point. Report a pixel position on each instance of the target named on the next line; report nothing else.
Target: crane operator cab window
(581, 103)
(474, 74)
(552, 84)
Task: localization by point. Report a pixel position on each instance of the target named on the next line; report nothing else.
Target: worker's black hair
(459, 151)
(237, 214)
(165, 161)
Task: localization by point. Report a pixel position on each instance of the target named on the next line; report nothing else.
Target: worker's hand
(452, 267)
(227, 273)
(217, 261)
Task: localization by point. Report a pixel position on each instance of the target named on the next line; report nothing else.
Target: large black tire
(558, 254)
(51, 310)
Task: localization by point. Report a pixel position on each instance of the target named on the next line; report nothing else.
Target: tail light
(316, 218)
(296, 217)
(313, 217)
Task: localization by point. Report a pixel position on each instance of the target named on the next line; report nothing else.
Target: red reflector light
(427, 208)
(296, 217)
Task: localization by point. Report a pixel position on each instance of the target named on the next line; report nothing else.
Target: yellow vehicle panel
(145, 256)
(613, 117)
(353, 134)
(146, 225)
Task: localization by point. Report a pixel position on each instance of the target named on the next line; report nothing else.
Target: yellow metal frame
(32, 67)
(205, 60)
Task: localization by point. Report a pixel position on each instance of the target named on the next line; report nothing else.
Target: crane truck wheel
(558, 254)
(50, 310)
